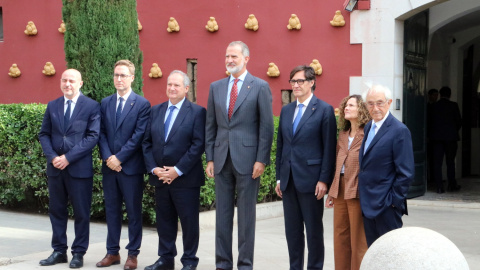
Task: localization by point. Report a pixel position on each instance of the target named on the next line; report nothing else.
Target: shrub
(23, 180)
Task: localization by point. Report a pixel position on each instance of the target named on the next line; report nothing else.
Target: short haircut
(245, 50)
(432, 91)
(445, 92)
(378, 89)
(186, 80)
(128, 64)
(363, 115)
(309, 74)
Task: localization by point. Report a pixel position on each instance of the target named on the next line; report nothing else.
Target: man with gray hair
(173, 157)
(239, 135)
(386, 166)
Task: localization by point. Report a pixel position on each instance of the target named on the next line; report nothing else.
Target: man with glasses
(70, 130)
(386, 166)
(306, 142)
(124, 120)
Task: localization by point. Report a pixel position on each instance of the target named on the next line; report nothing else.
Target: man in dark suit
(124, 120)
(239, 134)
(305, 164)
(386, 166)
(70, 130)
(446, 123)
(173, 148)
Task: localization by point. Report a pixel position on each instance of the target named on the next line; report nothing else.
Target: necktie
(66, 117)
(371, 134)
(297, 118)
(119, 110)
(167, 122)
(233, 98)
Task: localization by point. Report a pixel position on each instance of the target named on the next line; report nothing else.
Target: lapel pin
(248, 87)
(313, 109)
(131, 104)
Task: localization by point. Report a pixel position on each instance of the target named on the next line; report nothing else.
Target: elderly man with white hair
(386, 166)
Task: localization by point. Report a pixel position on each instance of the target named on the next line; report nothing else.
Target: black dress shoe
(77, 260)
(189, 267)
(56, 257)
(440, 190)
(161, 265)
(454, 188)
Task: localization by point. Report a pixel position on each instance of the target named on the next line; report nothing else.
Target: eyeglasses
(379, 104)
(299, 82)
(121, 76)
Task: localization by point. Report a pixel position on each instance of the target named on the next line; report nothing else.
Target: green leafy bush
(23, 180)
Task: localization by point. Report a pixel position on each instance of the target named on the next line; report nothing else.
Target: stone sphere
(413, 248)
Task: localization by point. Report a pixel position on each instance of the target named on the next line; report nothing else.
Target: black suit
(124, 140)
(181, 199)
(445, 122)
(75, 182)
(304, 159)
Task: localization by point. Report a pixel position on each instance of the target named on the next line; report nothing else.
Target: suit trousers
(173, 203)
(119, 187)
(449, 150)
(226, 183)
(390, 219)
(303, 209)
(349, 243)
(62, 189)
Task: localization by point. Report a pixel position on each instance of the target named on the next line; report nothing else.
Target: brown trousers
(349, 241)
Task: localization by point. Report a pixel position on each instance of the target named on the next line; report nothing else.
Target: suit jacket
(445, 121)
(349, 157)
(77, 141)
(183, 148)
(309, 154)
(248, 134)
(124, 139)
(386, 169)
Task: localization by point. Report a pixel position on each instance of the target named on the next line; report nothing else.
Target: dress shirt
(72, 105)
(241, 78)
(125, 97)
(380, 123)
(305, 105)
(172, 120)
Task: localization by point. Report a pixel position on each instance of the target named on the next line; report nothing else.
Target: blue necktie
(297, 118)
(371, 134)
(119, 110)
(167, 122)
(66, 117)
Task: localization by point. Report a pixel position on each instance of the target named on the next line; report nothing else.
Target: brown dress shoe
(131, 262)
(108, 260)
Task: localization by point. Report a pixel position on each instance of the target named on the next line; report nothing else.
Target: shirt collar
(380, 123)
(74, 99)
(178, 105)
(241, 77)
(125, 97)
(306, 102)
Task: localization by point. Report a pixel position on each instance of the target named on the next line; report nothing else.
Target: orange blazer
(349, 157)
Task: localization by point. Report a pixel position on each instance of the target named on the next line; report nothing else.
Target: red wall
(273, 42)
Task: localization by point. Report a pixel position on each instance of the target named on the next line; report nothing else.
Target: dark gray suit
(234, 146)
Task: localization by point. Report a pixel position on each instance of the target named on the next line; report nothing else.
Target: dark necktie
(119, 110)
(233, 98)
(66, 117)
(297, 118)
(167, 122)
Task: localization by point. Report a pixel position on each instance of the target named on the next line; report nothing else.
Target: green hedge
(23, 180)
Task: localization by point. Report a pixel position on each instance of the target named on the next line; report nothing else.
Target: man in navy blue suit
(124, 120)
(70, 130)
(305, 163)
(386, 167)
(173, 147)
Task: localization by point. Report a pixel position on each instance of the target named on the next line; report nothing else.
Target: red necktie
(233, 98)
